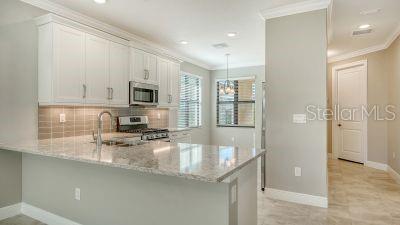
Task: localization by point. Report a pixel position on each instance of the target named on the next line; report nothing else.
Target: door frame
(335, 128)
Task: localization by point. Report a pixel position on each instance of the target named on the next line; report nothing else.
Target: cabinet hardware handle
(84, 91)
(112, 93)
(146, 74)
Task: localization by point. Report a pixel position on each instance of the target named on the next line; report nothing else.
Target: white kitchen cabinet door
(138, 65)
(119, 75)
(69, 63)
(174, 84)
(163, 93)
(151, 69)
(143, 67)
(97, 70)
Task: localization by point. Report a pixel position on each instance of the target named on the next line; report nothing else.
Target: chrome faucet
(99, 140)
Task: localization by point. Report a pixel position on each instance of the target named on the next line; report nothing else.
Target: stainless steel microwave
(143, 94)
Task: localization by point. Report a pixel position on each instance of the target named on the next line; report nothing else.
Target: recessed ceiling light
(364, 26)
(100, 1)
(231, 34)
(184, 42)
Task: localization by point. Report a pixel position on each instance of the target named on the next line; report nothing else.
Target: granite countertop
(191, 161)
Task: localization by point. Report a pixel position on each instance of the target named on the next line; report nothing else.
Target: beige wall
(377, 95)
(296, 77)
(393, 59)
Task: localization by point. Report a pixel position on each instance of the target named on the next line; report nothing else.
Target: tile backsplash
(82, 120)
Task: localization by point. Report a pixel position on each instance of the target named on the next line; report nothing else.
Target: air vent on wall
(220, 45)
(361, 32)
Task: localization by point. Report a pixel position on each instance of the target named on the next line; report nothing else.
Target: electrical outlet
(159, 116)
(77, 194)
(62, 118)
(297, 171)
(394, 155)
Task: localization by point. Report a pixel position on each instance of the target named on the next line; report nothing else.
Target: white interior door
(351, 94)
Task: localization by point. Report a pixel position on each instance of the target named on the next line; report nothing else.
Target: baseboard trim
(376, 165)
(10, 211)
(44, 216)
(295, 197)
(395, 175)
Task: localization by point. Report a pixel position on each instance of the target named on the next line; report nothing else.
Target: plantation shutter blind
(190, 101)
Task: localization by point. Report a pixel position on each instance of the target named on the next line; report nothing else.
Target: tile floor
(357, 195)
(20, 220)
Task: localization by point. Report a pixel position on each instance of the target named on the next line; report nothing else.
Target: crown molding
(238, 65)
(393, 36)
(296, 8)
(91, 22)
(368, 50)
(356, 53)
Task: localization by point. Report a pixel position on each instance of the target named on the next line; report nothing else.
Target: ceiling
(202, 23)
(347, 17)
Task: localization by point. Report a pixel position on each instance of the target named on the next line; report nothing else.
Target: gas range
(139, 125)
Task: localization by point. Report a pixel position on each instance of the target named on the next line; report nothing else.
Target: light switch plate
(62, 118)
(297, 171)
(77, 194)
(299, 118)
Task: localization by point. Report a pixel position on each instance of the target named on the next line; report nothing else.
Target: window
(190, 101)
(237, 109)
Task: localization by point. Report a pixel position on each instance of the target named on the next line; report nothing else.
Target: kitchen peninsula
(152, 183)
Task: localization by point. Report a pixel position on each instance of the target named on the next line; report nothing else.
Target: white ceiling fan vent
(361, 32)
(220, 45)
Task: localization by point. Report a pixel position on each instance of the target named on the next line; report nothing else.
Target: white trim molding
(10, 211)
(295, 197)
(388, 42)
(376, 165)
(136, 41)
(44, 216)
(357, 53)
(296, 8)
(395, 175)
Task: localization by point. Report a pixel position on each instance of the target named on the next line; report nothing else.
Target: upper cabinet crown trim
(52, 18)
(296, 8)
(135, 41)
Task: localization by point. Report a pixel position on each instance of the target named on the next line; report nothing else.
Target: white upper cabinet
(119, 75)
(61, 64)
(77, 68)
(163, 76)
(174, 83)
(143, 67)
(169, 79)
(97, 70)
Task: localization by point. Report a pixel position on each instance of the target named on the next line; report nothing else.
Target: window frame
(200, 113)
(236, 102)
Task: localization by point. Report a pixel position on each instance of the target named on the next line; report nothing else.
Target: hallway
(357, 195)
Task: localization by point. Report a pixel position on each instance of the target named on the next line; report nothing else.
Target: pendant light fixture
(228, 88)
